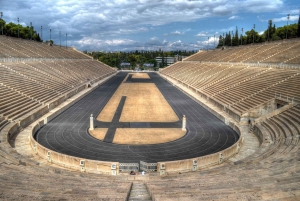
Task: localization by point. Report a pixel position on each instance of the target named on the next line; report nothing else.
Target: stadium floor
(68, 132)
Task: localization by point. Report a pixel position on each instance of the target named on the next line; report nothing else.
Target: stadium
(221, 124)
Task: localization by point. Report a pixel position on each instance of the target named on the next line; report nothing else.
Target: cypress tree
(228, 39)
(298, 32)
(235, 42)
(38, 37)
(270, 30)
(220, 44)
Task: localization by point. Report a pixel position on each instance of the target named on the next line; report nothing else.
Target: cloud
(109, 24)
(177, 33)
(132, 31)
(94, 44)
(202, 34)
(123, 44)
(234, 17)
(223, 10)
(211, 41)
(127, 12)
(284, 19)
(229, 29)
(293, 11)
(260, 6)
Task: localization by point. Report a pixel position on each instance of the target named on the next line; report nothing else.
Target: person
(143, 173)
(132, 172)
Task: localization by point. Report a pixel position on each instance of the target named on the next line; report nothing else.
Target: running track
(68, 134)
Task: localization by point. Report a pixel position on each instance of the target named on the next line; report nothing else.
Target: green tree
(132, 58)
(220, 44)
(235, 40)
(227, 39)
(252, 36)
(12, 30)
(162, 61)
(298, 29)
(275, 37)
(2, 25)
(37, 38)
(290, 30)
(267, 35)
(114, 59)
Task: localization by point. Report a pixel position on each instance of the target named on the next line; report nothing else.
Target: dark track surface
(68, 134)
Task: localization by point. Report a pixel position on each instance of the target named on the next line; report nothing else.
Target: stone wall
(71, 162)
(195, 164)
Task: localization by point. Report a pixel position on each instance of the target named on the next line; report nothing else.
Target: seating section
(3, 122)
(286, 51)
(20, 48)
(27, 85)
(238, 87)
(13, 104)
(284, 126)
(41, 74)
(273, 178)
(23, 84)
(22, 179)
(271, 173)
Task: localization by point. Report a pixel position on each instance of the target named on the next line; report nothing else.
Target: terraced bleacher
(28, 85)
(40, 75)
(24, 181)
(286, 51)
(271, 173)
(238, 87)
(19, 48)
(285, 125)
(32, 76)
(14, 105)
(273, 178)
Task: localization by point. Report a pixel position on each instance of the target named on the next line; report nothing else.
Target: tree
(269, 32)
(2, 25)
(162, 61)
(220, 44)
(291, 31)
(38, 37)
(298, 30)
(235, 40)
(12, 29)
(228, 39)
(275, 37)
(132, 60)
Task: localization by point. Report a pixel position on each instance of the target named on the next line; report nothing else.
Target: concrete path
(139, 192)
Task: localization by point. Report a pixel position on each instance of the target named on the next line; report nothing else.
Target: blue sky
(125, 25)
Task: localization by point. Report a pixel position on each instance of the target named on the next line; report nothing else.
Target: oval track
(67, 133)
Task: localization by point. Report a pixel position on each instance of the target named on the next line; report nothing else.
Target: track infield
(68, 132)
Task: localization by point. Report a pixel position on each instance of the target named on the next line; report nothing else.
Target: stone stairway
(139, 192)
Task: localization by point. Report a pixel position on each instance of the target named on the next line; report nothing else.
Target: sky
(129, 25)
